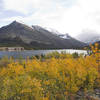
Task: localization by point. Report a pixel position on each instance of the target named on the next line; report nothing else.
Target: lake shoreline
(30, 53)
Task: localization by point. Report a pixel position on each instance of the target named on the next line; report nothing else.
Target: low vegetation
(52, 77)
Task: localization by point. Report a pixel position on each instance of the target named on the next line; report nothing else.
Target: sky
(65, 16)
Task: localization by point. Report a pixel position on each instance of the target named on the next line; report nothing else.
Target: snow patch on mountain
(65, 36)
(52, 30)
(36, 27)
(61, 35)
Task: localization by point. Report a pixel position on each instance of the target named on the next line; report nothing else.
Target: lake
(30, 53)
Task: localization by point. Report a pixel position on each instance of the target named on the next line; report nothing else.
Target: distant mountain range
(88, 37)
(35, 37)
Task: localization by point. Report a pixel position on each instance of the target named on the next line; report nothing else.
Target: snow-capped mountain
(35, 37)
(89, 36)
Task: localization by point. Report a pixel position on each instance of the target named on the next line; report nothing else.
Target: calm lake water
(30, 53)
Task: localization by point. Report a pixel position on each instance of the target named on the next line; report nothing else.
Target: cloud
(71, 16)
(1, 4)
(22, 6)
(27, 6)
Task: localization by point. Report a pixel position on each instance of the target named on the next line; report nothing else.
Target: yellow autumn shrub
(54, 78)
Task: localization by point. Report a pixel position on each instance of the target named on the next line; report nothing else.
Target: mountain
(34, 37)
(89, 36)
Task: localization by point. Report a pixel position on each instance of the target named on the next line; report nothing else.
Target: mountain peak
(15, 23)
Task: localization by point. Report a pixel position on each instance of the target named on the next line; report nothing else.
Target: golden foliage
(55, 77)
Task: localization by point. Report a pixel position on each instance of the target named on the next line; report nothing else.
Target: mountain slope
(18, 34)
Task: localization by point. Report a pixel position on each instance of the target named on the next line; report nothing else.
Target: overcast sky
(66, 16)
